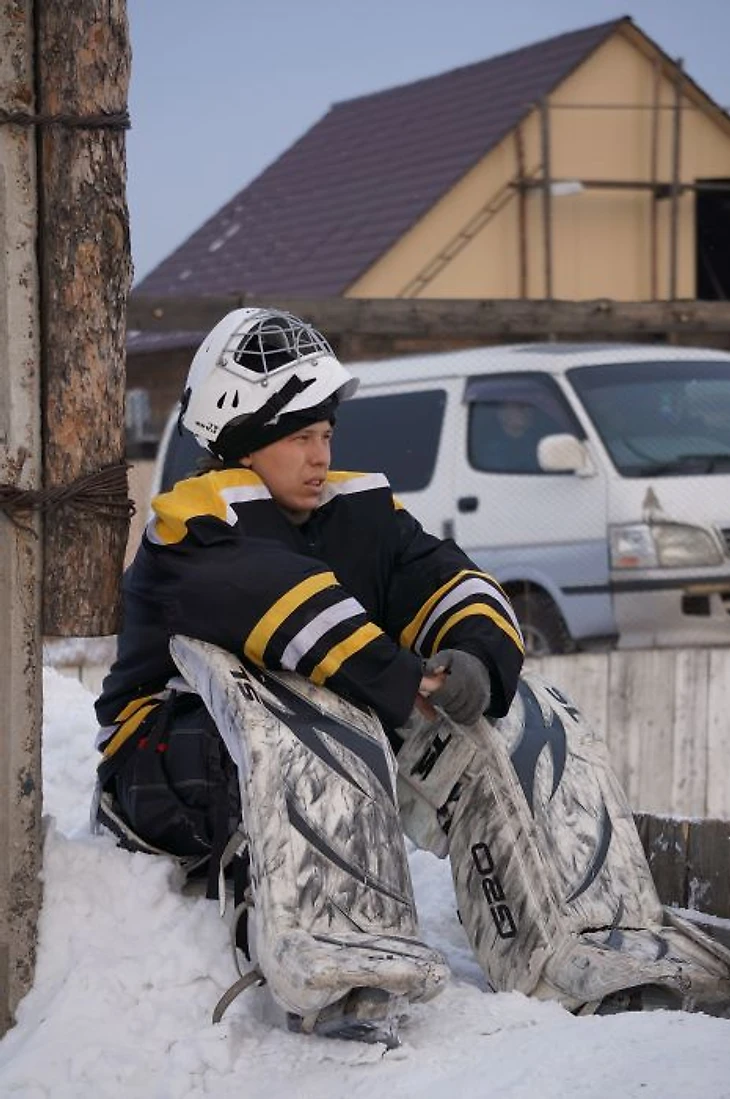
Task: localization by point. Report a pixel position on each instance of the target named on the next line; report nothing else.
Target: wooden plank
(486, 320)
(622, 746)
(665, 841)
(582, 677)
(20, 542)
(689, 774)
(640, 722)
(689, 861)
(718, 737)
(653, 715)
(708, 859)
(664, 717)
(592, 690)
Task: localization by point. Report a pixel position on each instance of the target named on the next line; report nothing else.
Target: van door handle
(467, 503)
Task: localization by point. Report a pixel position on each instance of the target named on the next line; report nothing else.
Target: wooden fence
(665, 716)
(690, 862)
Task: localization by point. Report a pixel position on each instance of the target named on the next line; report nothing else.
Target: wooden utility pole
(83, 73)
(20, 544)
(63, 87)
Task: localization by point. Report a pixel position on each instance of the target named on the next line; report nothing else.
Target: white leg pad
(552, 884)
(333, 900)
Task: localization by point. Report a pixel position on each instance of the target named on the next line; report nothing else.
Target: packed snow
(130, 967)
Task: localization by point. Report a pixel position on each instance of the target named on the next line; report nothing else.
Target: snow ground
(129, 969)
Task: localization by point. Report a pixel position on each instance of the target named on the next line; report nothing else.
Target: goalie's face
(294, 469)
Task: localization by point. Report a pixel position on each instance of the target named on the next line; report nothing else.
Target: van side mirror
(564, 454)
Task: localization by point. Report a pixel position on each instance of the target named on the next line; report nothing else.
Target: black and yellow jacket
(354, 598)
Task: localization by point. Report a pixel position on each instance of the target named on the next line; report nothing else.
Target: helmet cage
(275, 343)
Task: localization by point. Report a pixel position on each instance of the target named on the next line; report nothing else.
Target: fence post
(64, 74)
(20, 541)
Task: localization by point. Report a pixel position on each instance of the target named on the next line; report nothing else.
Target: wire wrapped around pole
(112, 120)
(102, 493)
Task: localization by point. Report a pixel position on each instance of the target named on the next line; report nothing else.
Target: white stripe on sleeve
(472, 586)
(307, 637)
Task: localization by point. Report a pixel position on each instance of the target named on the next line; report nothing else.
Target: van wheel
(542, 624)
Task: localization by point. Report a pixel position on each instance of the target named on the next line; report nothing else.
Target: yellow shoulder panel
(194, 497)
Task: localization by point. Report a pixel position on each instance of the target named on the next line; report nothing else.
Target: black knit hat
(246, 434)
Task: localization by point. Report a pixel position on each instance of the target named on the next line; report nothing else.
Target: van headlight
(662, 545)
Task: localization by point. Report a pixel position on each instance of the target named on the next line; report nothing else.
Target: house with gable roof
(586, 166)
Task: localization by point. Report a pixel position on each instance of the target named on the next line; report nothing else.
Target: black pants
(176, 785)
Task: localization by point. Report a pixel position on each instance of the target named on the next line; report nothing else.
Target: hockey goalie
(304, 674)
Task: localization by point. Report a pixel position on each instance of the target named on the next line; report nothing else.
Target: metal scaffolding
(540, 178)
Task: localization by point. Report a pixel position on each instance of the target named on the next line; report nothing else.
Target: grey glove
(466, 690)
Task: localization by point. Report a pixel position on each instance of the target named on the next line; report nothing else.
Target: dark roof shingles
(346, 191)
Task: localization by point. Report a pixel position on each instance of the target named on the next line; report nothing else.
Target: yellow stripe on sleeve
(269, 623)
(130, 725)
(338, 654)
(132, 707)
(410, 632)
(488, 612)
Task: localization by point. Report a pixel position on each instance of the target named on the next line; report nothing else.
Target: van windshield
(660, 419)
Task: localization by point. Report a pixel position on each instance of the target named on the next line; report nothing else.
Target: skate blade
(654, 998)
(642, 998)
(367, 1015)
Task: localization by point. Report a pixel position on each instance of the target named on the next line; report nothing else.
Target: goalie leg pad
(551, 877)
(552, 883)
(333, 901)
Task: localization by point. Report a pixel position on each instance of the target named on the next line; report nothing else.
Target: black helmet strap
(238, 437)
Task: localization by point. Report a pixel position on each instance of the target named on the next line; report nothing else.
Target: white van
(592, 480)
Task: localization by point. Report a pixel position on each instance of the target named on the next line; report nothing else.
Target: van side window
(397, 434)
(508, 415)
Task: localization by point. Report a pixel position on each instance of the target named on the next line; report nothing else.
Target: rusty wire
(102, 493)
(112, 120)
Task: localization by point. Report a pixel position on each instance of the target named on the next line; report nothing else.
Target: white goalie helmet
(253, 372)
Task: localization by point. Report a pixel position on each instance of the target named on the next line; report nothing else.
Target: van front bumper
(664, 612)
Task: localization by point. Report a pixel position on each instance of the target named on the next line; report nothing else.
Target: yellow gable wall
(601, 239)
